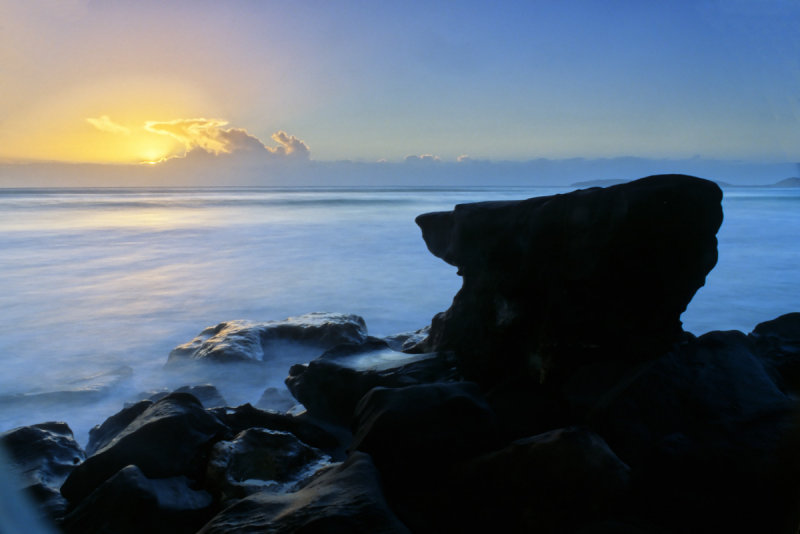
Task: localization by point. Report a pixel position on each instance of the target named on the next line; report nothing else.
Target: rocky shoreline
(558, 394)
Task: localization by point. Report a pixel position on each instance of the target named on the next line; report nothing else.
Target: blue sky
(367, 81)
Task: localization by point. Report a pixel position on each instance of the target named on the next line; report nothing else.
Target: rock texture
(244, 341)
(346, 498)
(44, 455)
(553, 281)
(169, 438)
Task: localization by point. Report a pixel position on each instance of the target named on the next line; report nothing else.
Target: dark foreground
(558, 394)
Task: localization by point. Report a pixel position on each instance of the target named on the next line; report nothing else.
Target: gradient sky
(365, 81)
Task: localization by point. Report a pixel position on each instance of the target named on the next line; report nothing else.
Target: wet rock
(169, 438)
(553, 282)
(331, 386)
(102, 434)
(43, 455)
(407, 340)
(550, 483)
(346, 498)
(709, 436)
(244, 341)
(415, 431)
(131, 503)
(259, 459)
(246, 416)
(778, 343)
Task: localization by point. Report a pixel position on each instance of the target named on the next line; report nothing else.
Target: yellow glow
(102, 123)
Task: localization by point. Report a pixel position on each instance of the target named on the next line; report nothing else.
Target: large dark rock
(259, 459)
(344, 499)
(778, 343)
(169, 438)
(244, 341)
(131, 503)
(549, 483)
(710, 438)
(44, 455)
(552, 282)
(417, 431)
(331, 385)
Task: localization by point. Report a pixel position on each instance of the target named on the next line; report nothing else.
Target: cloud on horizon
(423, 158)
(210, 136)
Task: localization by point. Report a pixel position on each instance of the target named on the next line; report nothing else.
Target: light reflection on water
(91, 280)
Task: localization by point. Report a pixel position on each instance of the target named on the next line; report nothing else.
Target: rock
(415, 431)
(708, 435)
(169, 438)
(553, 282)
(407, 340)
(102, 434)
(551, 483)
(331, 386)
(778, 343)
(44, 455)
(258, 459)
(131, 503)
(245, 416)
(344, 499)
(244, 341)
(207, 394)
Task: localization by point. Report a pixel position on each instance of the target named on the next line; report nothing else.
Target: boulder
(43, 455)
(208, 395)
(259, 459)
(131, 503)
(550, 483)
(242, 417)
(710, 438)
(346, 498)
(169, 438)
(418, 431)
(331, 386)
(102, 434)
(244, 341)
(777, 342)
(553, 282)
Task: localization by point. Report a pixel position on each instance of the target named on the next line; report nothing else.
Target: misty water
(98, 285)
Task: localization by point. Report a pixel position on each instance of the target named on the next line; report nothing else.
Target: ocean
(98, 285)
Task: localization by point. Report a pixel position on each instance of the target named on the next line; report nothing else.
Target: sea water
(98, 285)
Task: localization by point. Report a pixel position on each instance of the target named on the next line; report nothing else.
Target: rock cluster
(558, 394)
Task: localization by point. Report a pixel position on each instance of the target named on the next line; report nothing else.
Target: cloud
(463, 158)
(289, 145)
(210, 136)
(105, 124)
(424, 158)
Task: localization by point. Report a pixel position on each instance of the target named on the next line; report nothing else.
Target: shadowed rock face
(557, 281)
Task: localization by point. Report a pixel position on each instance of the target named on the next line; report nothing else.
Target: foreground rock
(346, 498)
(331, 386)
(258, 460)
(550, 282)
(131, 503)
(43, 455)
(169, 438)
(243, 341)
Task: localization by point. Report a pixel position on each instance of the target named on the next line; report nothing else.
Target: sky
(123, 82)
